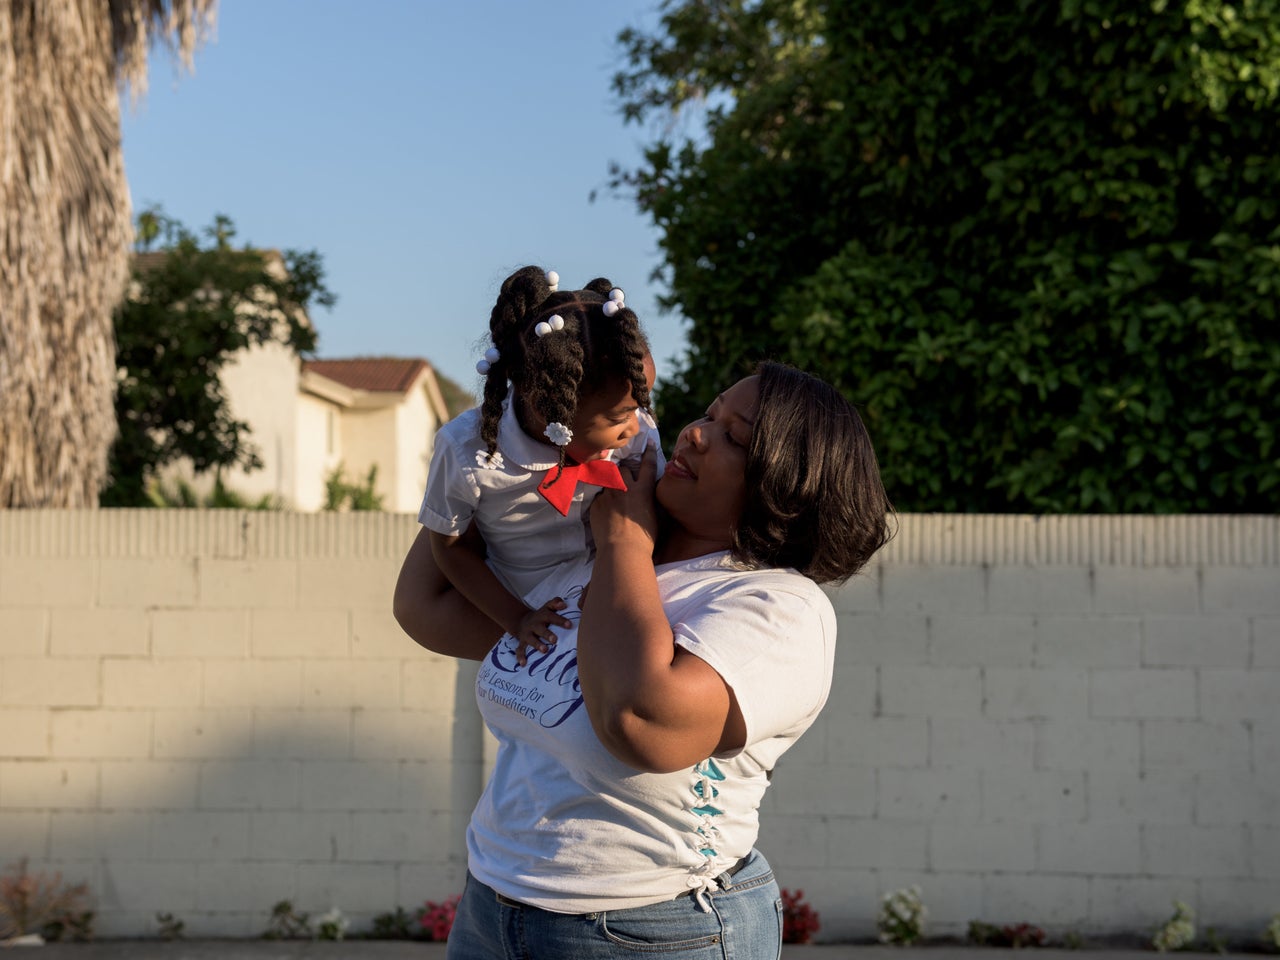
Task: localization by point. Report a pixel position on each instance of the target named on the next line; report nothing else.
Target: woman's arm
(655, 706)
(434, 614)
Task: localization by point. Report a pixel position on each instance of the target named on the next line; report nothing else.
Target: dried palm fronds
(66, 232)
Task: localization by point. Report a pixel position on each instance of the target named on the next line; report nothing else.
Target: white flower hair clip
(553, 280)
(554, 322)
(490, 358)
(558, 434)
(615, 302)
(486, 459)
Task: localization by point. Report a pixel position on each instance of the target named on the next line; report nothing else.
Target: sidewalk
(403, 950)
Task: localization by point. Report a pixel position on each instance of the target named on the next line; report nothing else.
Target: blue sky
(424, 148)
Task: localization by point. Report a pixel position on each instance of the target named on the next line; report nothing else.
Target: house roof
(373, 382)
(375, 374)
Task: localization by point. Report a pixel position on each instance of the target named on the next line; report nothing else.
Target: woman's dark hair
(550, 373)
(814, 499)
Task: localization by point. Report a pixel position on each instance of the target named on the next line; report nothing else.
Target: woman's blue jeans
(744, 923)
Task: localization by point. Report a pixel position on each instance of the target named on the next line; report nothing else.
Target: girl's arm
(654, 706)
(434, 614)
(461, 559)
(462, 562)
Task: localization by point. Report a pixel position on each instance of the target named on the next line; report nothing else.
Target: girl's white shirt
(526, 537)
(565, 826)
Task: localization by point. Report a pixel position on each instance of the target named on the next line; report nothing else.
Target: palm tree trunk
(66, 231)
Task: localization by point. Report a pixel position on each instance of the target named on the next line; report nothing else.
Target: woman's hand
(629, 516)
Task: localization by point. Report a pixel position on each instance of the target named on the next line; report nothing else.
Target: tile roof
(376, 374)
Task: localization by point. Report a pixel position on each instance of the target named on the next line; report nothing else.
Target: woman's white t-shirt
(526, 537)
(565, 826)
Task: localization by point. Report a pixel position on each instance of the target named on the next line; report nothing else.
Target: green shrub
(343, 494)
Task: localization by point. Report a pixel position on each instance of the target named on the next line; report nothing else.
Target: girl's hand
(629, 516)
(535, 628)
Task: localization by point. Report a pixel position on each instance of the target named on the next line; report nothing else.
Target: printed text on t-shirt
(533, 690)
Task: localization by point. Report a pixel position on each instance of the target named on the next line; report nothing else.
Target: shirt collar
(518, 446)
(716, 560)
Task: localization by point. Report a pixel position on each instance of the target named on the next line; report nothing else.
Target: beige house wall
(319, 448)
(416, 426)
(261, 386)
(369, 437)
(1060, 721)
(262, 389)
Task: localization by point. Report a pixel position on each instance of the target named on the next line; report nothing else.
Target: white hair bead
(617, 294)
(610, 307)
(492, 355)
(553, 280)
(482, 368)
(557, 322)
(542, 329)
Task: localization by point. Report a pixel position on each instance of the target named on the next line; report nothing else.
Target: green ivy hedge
(1037, 242)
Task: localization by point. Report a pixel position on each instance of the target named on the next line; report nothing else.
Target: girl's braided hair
(551, 373)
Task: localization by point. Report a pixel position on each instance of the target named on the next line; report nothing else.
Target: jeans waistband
(736, 868)
(726, 875)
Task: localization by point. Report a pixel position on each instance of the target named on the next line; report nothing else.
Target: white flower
(558, 434)
(1178, 932)
(486, 459)
(901, 917)
(332, 925)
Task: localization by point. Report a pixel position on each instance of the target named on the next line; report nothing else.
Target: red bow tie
(599, 473)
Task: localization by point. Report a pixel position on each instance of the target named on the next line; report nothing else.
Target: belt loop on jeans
(726, 879)
(507, 901)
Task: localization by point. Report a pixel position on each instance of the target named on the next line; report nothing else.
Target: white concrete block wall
(1063, 721)
(204, 714)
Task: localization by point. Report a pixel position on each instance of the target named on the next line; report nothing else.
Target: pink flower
(437, 918)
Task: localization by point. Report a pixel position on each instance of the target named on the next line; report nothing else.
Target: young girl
(511, 480)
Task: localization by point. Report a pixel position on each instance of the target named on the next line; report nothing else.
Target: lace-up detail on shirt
(704, 810)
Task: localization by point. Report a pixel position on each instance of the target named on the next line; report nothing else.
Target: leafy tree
(191, 308)
(1036, 241)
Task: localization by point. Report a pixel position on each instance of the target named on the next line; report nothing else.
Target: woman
(633, 752)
